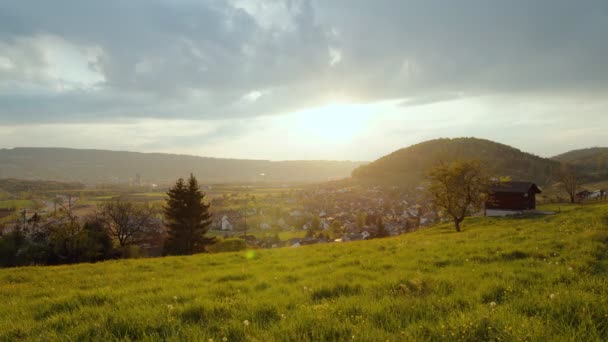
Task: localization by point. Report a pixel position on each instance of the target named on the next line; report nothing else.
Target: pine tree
(187, 218)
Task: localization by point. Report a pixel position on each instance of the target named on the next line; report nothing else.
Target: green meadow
(17, 204)
(542, 278)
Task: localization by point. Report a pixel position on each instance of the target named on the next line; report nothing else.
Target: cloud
(67, 61)
(227, 77)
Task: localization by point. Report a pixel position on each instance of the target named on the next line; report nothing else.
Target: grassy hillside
(590, 162)
(533, 279)
(409, 166)
(99, 166)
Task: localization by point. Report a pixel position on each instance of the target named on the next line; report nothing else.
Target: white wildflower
(246, 322)
(492, 304)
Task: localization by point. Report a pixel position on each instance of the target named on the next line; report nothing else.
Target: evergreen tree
(187, 218)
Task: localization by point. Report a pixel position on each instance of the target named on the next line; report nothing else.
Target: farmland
(533, 278)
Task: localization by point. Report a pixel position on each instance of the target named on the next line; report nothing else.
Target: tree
(187, 218)
(458, 189)
(569, 180)
(315, 227)
(336, 229)
(67, 241)
(361, 218)
(128, 222)
(99, 244)
(381, 229)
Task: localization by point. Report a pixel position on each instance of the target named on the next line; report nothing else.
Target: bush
(10, 245)
(227, 245)
(131, 252)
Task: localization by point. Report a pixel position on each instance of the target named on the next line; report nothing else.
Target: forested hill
(591, 162)
(100, 166)
(409, 166)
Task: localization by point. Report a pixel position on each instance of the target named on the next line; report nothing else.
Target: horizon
(302, 80)
(283, 160)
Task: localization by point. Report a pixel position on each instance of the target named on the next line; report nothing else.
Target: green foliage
(336, 229)
(590, 163)
(314, 229)
(56, 242)
(10, 245)
(536, 278)
(227, 245)
(458, 189)
(187, 218)
(99, 244)
(381, 229)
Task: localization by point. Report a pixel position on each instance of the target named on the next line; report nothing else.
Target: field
(17, 204)
(510, 279)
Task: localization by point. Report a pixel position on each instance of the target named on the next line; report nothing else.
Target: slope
(534, 278)
(591, 163)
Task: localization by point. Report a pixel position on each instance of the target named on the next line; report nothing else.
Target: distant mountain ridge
(409, 166)
(103, 166)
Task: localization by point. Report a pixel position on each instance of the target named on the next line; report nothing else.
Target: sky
(302, 79)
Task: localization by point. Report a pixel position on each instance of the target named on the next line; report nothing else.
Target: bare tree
(459, 189)
(569, 180)
(129, 223)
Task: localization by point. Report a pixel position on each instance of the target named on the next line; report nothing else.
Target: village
(320, 214)
(271, 216)
(264, 216)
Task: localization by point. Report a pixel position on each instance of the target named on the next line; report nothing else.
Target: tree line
(117, 229)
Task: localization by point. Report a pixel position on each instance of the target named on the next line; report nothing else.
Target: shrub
(227, 245)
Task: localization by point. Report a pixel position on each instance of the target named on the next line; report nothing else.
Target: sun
(335, 122)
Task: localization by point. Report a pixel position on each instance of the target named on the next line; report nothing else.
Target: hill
(510, 279)
(409, 166)
(100, 166)
(590, 162)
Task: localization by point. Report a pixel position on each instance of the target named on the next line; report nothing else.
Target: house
(583, 195)
(588, 195)
(226, 225)
(509, 198)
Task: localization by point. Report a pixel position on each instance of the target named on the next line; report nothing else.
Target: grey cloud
(197, 59)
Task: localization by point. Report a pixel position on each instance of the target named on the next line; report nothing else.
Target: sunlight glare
(334, 123)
